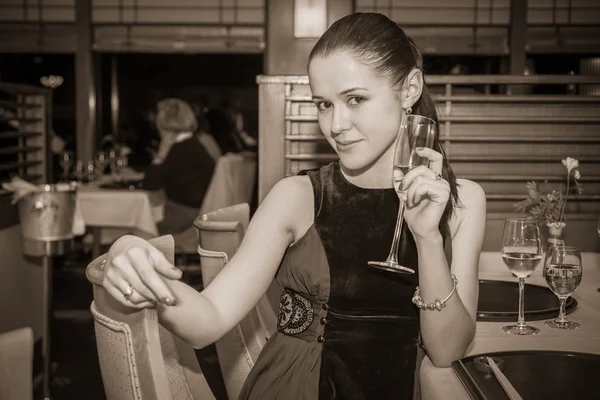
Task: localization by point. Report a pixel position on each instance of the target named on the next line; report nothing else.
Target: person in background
(222, 127)
(345, 330)
(203, 133)
(234, 110)
(182, 167)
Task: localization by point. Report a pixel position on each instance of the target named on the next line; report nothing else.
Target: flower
(549, 208)
(570, 163)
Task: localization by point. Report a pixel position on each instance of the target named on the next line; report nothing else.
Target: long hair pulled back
(381, 44)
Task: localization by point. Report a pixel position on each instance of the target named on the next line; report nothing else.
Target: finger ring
(438, 176)
(128, 291)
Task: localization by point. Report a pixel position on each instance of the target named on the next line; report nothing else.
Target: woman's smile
(346, 145)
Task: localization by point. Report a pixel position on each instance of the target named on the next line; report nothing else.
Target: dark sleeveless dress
(346, 330)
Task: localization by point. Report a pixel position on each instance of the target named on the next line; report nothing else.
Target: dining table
(111, 209)
(444, 383)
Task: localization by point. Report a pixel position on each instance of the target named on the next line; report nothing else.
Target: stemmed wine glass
(415, 131)
(80, 171)
(66, 162)
(522, 253)
(101, 161)
(563, 271)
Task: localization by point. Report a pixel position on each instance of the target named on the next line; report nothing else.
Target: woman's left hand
(427, 194)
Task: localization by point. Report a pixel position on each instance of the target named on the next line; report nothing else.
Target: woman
(345, 330)
(182, 167)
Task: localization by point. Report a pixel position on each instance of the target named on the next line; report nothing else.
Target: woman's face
(358, 111)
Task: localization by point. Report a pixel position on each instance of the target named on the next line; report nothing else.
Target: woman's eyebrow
(351, 90)
(315, 97)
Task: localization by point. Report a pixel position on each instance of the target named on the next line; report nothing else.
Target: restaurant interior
(517, 87)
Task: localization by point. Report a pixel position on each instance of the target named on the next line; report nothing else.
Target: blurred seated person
(237, 118)
(223, 129)
(182, 167)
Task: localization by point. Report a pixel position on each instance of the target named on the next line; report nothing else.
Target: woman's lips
(347, 145)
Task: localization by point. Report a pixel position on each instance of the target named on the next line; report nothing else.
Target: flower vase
(555, 232)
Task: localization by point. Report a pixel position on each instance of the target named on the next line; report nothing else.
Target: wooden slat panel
(525, 178)
(19, 149)
(13, 134)
(16, 165)
(501, 98)
(515, 129)
(14, 105)
(271, 165)
(521, 139)
(527, 158)
(23, 150)
(520, 119)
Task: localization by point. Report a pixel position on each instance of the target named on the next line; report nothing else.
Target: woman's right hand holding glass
(135, 273)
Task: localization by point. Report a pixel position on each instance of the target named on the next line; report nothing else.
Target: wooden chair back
(140, 359)
(221, 232)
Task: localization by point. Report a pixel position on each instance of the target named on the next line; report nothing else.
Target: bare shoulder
(470, 193)
(290, 202)
(294, 190)
(472, 204)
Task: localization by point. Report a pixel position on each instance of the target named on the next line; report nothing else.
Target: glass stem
(521, 320)
(562, 315)
(393, 256)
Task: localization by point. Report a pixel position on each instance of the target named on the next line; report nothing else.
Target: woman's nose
(340, 121)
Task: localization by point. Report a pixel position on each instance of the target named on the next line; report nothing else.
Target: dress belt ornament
(295, 313)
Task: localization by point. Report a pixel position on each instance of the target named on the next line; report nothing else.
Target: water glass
(563, 271)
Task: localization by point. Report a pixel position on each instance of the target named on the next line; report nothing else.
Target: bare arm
(448, 333)
(202, 318)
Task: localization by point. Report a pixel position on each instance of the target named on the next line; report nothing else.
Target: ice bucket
(47, 214)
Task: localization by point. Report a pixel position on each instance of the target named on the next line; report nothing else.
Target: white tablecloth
(128, 209)
(232, 183)
(116, 212)
(442, 383)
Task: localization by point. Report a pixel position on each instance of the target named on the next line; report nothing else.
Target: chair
(139, 359)
(221, 232)
(16, 364)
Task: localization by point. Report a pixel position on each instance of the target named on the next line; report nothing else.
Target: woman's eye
(355, 100)
(323, 105)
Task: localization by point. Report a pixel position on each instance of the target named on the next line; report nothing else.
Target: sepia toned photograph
(299, 199)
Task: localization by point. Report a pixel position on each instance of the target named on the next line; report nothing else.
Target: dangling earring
(408, 110)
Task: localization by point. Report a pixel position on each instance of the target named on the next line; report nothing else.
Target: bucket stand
(46, 250)
(46, 216)
(47, 309)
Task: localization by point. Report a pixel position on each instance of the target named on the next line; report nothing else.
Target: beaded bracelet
(437, 305)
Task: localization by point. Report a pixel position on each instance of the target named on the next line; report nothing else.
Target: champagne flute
(415, 131)
(522, 253)
(563, 271)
